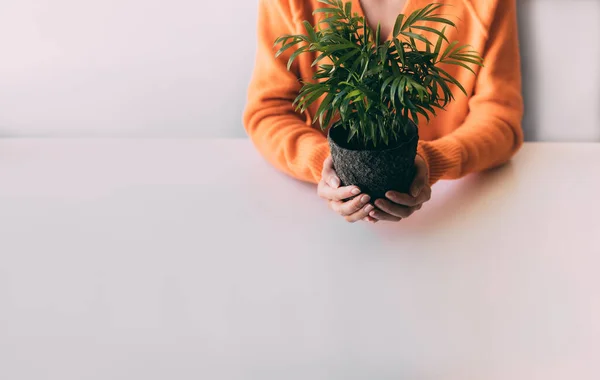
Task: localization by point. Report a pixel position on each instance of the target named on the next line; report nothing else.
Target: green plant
(376, 87)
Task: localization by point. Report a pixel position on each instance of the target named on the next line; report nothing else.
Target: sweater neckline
(357, 7)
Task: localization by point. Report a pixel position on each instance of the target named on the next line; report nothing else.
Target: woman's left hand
(397, 206)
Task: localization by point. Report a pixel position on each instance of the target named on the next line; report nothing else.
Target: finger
(346, 208)
(329, 174)
(421, 177)
(335, 205)
(360, 214)
(350, 207)
(382, 215)
(370, 220)
(408, 200)
(339, 194)
(394, 208)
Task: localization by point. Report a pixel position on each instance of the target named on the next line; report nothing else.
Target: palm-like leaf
(374, 87)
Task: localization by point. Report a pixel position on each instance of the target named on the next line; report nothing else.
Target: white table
(194, 259)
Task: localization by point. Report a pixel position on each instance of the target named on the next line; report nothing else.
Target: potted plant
(372, 92)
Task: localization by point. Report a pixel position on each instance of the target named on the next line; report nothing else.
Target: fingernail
(369, 208)
(365, 198)
(373, 214)
(415, 192)
(356, 191)
(334, 182)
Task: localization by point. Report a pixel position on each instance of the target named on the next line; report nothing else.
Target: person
(473, 133)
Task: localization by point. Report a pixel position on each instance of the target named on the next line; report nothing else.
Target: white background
(180, 68)
(118, 263)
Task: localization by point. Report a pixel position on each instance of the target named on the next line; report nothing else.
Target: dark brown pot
(375, 171)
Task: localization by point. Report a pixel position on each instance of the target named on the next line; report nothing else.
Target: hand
(397, 206)
(337, 197)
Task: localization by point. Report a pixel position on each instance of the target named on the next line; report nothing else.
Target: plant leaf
(383, 132)
(333, 48)
(400, 51)
(310, 31)
(351, 134)
(318, 59)
(394, 89)
(458, 63)
(432, 30)
(465, 59)
(354, 94)
(385, 83)
(324, 10)
(346, 57)
(453, 80)
(440, 20)
(410, 20)
(324, 105)
(438, 45)
(295, 54)
(448, 50)
(422, 112)
(398, 25)
(327, 119)
(284, 48)
(416, 36)
(402, 90)
(415, 116)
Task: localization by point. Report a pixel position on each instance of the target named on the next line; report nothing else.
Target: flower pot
(375, 171)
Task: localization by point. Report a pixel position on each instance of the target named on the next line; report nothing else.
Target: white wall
(124, 67)
(181, 67)
(560, 44)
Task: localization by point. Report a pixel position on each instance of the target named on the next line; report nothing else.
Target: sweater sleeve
(283, 137)
(491, 133)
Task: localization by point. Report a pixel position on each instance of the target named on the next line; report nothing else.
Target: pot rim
(415, 136)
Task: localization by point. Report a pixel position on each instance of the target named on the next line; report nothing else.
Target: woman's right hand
(337, 197)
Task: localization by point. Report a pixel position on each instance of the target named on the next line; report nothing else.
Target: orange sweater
(474, 133)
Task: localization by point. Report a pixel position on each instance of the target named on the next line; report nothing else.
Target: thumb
(421, 177)
(329, 175)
